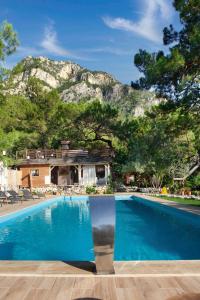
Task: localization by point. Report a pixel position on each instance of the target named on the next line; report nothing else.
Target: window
(35, 172)
(100, 171)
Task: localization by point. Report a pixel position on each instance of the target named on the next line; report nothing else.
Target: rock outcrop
(72, 82)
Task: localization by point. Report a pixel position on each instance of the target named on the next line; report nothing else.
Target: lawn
(189, 201)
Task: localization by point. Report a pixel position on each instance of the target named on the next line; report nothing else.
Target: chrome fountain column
(102, 209)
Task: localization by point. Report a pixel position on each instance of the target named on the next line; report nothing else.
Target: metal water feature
(102, 210)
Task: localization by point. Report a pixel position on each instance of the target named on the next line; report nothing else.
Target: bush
(108, 190)
(196, 193)
(185, 191)
(90, 190)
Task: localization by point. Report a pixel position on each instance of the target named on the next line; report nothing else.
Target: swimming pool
(60, 229)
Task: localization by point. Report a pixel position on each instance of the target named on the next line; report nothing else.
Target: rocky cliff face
(71, 80)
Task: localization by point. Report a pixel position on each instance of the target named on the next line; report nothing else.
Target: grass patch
(188, 201)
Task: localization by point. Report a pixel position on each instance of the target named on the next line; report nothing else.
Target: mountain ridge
(75, 83)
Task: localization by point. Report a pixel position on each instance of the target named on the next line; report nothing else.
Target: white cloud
(50, 42)
(25, 51)
(150, 24)
(110, 50)
(49, 46)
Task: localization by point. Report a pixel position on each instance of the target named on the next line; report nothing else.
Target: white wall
(9, 179)
(3, 177)
(89, 175)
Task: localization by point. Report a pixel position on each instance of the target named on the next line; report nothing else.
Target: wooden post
(108, 170)
(79, 175)
(30, 177)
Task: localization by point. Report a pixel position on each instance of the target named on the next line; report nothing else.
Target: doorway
(54, 175)
(74, 175)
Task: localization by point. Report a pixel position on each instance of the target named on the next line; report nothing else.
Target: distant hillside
(75, 83)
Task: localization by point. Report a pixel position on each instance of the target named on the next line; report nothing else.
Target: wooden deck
(56, 288)
(133, 280)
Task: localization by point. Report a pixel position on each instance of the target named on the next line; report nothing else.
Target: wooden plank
(104, 287)
(129, 294)
(18, 290)
(37, 294)
(3, 292)
(62, 289)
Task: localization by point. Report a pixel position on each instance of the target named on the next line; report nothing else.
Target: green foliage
(110, 187)
(98, 123)
(183, 200)
(90, 190)
(176, 75)
(66, 85)
(109, 190)
(19, 68)
(8, 40)
(8, 45)
(168, 137)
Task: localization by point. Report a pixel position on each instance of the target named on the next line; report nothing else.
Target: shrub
(196, 193)
(108, 190)
(90, 190)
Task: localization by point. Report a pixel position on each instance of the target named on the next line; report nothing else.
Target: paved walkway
(189, 208)
(9, 208)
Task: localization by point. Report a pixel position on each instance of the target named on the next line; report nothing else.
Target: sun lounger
(6, 197)
(3, 197)
(15, 195)
(27, 195)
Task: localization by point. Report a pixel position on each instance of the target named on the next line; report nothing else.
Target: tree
(98, 123)
(176, 76)
(63, 125)
(46, 105)
(8, 43)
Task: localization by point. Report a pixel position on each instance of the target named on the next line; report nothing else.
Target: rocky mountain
(74, 83)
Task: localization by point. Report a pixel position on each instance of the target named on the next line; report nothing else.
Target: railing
(49, 153)
(60, 153)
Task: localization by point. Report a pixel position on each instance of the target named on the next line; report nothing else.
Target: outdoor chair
(6, 198)
(27, 195)
(3, 197)
(15, 196)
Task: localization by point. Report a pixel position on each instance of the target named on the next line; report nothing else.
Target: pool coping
(87, 269)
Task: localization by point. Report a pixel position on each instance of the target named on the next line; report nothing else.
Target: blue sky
(97, 34)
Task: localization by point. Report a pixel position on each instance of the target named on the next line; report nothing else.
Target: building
(63, 167)
(10, 179)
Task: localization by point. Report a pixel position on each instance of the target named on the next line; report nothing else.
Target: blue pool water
(62, 231)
